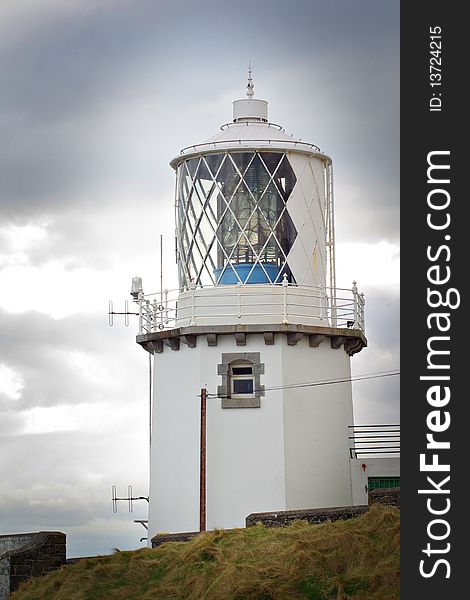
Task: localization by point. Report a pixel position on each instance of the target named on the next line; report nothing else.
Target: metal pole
(161, 278)
(331, 243)
(150, 399)
(202, 476)
(161, 267)
(150, 418)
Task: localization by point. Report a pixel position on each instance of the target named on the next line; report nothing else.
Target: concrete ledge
(283, 518)
(352, 340)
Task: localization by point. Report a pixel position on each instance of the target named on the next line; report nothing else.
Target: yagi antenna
(136, 292)
(126, 313)
(130, 498)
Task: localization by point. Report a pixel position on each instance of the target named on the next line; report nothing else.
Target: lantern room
(245, 211)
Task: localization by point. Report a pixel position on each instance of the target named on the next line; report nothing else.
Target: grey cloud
(65, 479)
(37, 347)
(68, 71)
(353, 117)
(379, 399)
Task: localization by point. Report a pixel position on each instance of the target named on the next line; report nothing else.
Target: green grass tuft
(356, 559)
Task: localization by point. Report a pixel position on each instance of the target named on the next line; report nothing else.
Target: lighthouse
(259, 325)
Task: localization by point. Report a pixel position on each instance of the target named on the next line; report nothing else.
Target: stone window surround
(223, 391)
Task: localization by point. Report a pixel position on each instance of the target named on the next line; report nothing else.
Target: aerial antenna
(112, 312)
(135, 292)
(130, 498)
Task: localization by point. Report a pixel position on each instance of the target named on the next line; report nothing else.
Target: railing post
(193, 304)
(166, 307)
(363, 318)
(321, 300)
(239, 287)
(355, 301)
(352, 449)
(285, 285)
(333, 308)
(149, 316)
(140, 298)
(153, 312)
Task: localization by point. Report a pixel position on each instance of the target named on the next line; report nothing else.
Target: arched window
(241, 380)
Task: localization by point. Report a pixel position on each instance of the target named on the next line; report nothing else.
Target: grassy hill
(356, 559)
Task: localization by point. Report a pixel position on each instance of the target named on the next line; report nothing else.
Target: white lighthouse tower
(258, 322)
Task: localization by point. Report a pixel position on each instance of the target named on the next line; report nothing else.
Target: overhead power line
(362, 377)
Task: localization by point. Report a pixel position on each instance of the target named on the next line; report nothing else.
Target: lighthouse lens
(233, 222)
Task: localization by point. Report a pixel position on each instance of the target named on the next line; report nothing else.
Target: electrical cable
(364, 376)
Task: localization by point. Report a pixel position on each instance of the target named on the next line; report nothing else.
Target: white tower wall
(275, 457)
(317, 471)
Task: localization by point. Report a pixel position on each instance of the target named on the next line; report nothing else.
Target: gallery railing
(250, 303)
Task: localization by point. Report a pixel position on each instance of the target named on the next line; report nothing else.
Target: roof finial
(250, 86)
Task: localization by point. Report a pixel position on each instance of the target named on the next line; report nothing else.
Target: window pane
(243, 386)
(214, 161)
(242, 370)
(242, 160)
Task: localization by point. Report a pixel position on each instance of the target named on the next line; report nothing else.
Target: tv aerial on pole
(137, 294)
(136, 291)
(126, 313)
(130, 500)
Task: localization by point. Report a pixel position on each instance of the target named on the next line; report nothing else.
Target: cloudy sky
(96, 97)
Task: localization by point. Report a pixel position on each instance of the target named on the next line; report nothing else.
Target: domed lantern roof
(250, 129)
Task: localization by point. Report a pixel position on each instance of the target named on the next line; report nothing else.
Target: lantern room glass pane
(214, 161)
(233, 224)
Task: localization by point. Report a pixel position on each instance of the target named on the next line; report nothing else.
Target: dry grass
(357, 559)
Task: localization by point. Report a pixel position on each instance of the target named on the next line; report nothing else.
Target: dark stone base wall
(284, 518)
(389, 497)
(33, 556)
(162, 538)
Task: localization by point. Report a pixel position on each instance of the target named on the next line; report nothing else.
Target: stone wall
(162, 538)
(26, 555)
(387, 496)
(283, 518)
